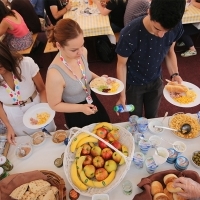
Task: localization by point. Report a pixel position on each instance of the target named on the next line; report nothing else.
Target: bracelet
(173, 75)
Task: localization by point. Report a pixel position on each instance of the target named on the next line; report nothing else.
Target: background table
(43, 158)
(191, 15)
(92, 25)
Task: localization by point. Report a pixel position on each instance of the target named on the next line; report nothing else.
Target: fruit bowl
(180, 118)
(70, 167)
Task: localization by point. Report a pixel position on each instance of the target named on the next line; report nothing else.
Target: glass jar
(5, 163)
(3, 173)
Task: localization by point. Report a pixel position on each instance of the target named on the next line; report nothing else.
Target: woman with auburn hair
(21, 86)
(17, 35)
(68, 77)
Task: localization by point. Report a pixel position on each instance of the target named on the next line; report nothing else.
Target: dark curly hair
(167, 12)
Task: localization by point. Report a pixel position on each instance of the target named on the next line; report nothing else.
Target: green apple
(110, 165)
(89, 171)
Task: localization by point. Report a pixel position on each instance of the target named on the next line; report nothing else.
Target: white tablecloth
(43, 158)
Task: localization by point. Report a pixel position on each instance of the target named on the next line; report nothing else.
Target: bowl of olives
(196, 159)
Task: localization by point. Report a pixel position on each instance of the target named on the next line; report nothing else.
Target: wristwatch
(173, 75)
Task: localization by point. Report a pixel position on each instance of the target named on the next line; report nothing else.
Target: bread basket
(125, 138)
(55, 180)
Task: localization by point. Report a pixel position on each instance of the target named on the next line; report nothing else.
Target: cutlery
(164, 117)
(27, 134)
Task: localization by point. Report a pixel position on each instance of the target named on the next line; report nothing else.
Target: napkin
(8, 184)
(145, 183)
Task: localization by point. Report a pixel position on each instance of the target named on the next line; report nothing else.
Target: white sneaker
(180, 44)
(189, 53)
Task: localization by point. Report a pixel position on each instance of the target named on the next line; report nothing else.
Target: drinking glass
(127, 187)
(142, 124)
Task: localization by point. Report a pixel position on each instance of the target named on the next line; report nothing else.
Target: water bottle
(120, 108)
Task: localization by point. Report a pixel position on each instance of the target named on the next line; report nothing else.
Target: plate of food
(38, 116)
(106, 85)
(177, 120)
(182, 95)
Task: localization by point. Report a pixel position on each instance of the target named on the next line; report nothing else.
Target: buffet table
(43, 158)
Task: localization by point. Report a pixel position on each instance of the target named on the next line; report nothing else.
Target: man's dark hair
(167, 12)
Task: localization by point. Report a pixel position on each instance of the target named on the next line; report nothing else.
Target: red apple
(89, 171)
(106, 153)
(101, 132)
(117, 144)
(88, 160)
(101, 144)
(86, 149)
(110, 165)
(113, 135)
(98, 161)
(101, 174)
(116, 157)
(95, 151)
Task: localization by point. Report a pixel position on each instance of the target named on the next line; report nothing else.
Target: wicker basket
(125, 138)
(55, 180)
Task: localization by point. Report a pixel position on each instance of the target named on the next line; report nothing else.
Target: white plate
(120, 88)
(188, 105)
(37, 109)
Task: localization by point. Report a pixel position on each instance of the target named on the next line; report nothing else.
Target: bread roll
(156, 187)
(160, 196)
(178, 197)
(176, 87)
(169, 178)
(169, 194)
(170, 187)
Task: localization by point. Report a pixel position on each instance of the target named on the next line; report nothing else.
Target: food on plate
(160, 196)
(156, 187)
(41, 118)
(26, 150)
(179, 119)
(177, 197)
(59, 136)
(196, 158)
(73, 194)
(170, 187)
(180, 93)
(38, 138)
(169, 178)
(38, 189)
(75, 3)
(103, 84)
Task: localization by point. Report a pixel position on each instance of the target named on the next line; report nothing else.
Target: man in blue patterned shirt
(143, 45)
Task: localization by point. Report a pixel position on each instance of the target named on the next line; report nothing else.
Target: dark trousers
(189, 29)
(145, 97)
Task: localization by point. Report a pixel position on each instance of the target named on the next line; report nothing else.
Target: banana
(125, 152)
(85, 179)
(86, 140)
(78, 153)
(106, 182)
(75, 179)
(106, 124)
(76, 141)
(79, 164)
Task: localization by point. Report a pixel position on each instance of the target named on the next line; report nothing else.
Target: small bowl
(155, 140)
(193, 162)
(161, 156)
(179, 146)
(38, 138)
(155, 123)
(59, 136)
(100, 196)
(27, 148)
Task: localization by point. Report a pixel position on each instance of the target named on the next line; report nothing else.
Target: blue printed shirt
(145, 51)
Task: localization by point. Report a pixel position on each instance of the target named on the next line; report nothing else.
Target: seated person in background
(17, 35)
(115, 9)
(189, 29)
(134, 9)
(26, 10)
(38, 7)
(68, 77)
(55, 9)
(191, 189)
(21, 75)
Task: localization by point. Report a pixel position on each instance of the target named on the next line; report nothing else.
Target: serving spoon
(185, 128)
